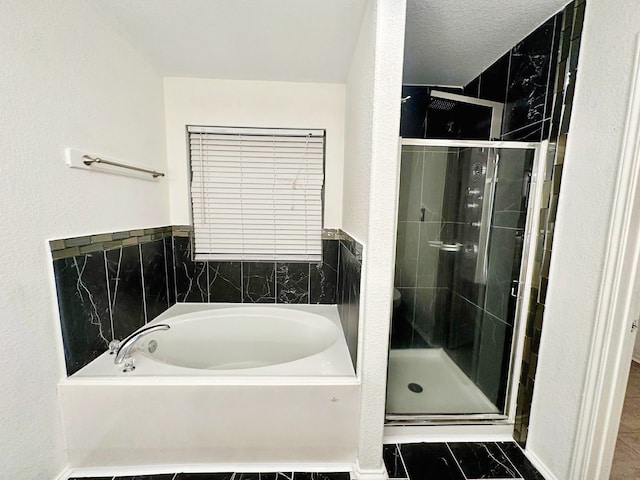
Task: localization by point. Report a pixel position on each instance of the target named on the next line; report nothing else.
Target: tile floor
(626, 460)
(458, 461)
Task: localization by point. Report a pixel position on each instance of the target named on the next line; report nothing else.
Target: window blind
(256, 193)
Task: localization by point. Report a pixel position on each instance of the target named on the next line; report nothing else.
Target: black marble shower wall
(537, 79)
(109, 285)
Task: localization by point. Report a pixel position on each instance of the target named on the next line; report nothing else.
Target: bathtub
(226, 385)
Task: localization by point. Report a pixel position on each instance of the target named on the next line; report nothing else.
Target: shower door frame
(524, 284)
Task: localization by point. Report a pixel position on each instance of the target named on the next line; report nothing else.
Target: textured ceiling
(450, 43)
(447, 42)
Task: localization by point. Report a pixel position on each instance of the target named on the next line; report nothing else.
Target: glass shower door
(462, 224)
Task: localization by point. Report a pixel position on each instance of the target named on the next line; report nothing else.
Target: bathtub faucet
(127, 344)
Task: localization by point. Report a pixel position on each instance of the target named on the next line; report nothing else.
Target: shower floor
(427, 381)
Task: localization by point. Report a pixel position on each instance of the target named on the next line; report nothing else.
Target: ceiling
(313, 40)
(450, 43)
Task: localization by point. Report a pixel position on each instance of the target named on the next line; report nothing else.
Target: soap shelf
(445, 247)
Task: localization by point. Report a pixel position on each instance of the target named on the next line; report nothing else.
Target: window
(256, 193)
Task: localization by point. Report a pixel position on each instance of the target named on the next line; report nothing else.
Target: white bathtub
(226, 385)
(238, 340)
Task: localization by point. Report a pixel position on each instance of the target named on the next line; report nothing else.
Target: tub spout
(128, 343)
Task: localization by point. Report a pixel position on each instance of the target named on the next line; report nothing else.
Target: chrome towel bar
(87, 160)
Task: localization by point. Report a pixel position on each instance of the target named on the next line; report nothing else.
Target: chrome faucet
(124, 348)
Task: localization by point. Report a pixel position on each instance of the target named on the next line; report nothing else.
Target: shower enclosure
(466, 220)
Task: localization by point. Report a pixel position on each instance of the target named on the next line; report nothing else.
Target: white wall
(237, 103)
(65, 80)
(591, 163)
(370, 196)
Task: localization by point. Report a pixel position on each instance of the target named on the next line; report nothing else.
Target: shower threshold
(426, 384)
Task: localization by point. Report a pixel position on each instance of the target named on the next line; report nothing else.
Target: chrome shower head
(441, 104)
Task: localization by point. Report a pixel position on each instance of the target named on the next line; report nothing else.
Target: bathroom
(85, 80)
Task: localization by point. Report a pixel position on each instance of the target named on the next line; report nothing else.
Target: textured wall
(591, 160)
(66, 81)
(370, 198)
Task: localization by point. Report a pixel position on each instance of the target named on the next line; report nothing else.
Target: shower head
(441, 104)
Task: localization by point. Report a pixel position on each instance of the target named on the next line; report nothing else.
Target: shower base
(426, 381)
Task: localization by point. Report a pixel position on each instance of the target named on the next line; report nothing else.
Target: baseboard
(540, 466)
(370, 474)
(636, 359)
(209, 468)
(65, 474)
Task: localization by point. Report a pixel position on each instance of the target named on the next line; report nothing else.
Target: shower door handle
(515, 286)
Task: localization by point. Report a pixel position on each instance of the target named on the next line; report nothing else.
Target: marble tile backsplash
(108, 293)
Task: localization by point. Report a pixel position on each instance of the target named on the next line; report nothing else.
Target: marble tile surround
(107, 294)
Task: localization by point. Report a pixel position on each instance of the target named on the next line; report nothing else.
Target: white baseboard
(208, 468)
(636, 359)
(540, 466)
(65, 474)
(447, 433)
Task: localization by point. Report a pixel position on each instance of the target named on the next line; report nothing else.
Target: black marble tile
(263, 476)
(83, 302)
(402, 331)
(529, 78)
(505, 254)
(171, 273)
(528, 133)
(191, 277)
(474, 121)
(431, 305)
(414, 111)
(155, 278)
(323, 276)
(483, 460)
(493, 359)
(393, 461)
(349, 274)
(258, 282)
(472, 89)
(91, 478)
(321, 476)
(165, 476)
(493, 83)
(410, 195)
(520, 461)
(430, 460)
(225, 282)
(125, 290)
(204, 476)
(292, 283)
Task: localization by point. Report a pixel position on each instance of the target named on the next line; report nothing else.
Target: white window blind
(256, 193)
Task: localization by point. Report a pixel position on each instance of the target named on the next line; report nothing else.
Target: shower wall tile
(83, 302)
(463, 334)
(191, 277)
(410, 199)
(259, 282)
(292, 282)
(407, 242)
(505, 251)
(493, 358)
(125, 290)
(493, 82)
(430, 310)
(154, 274)
(225, 282)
